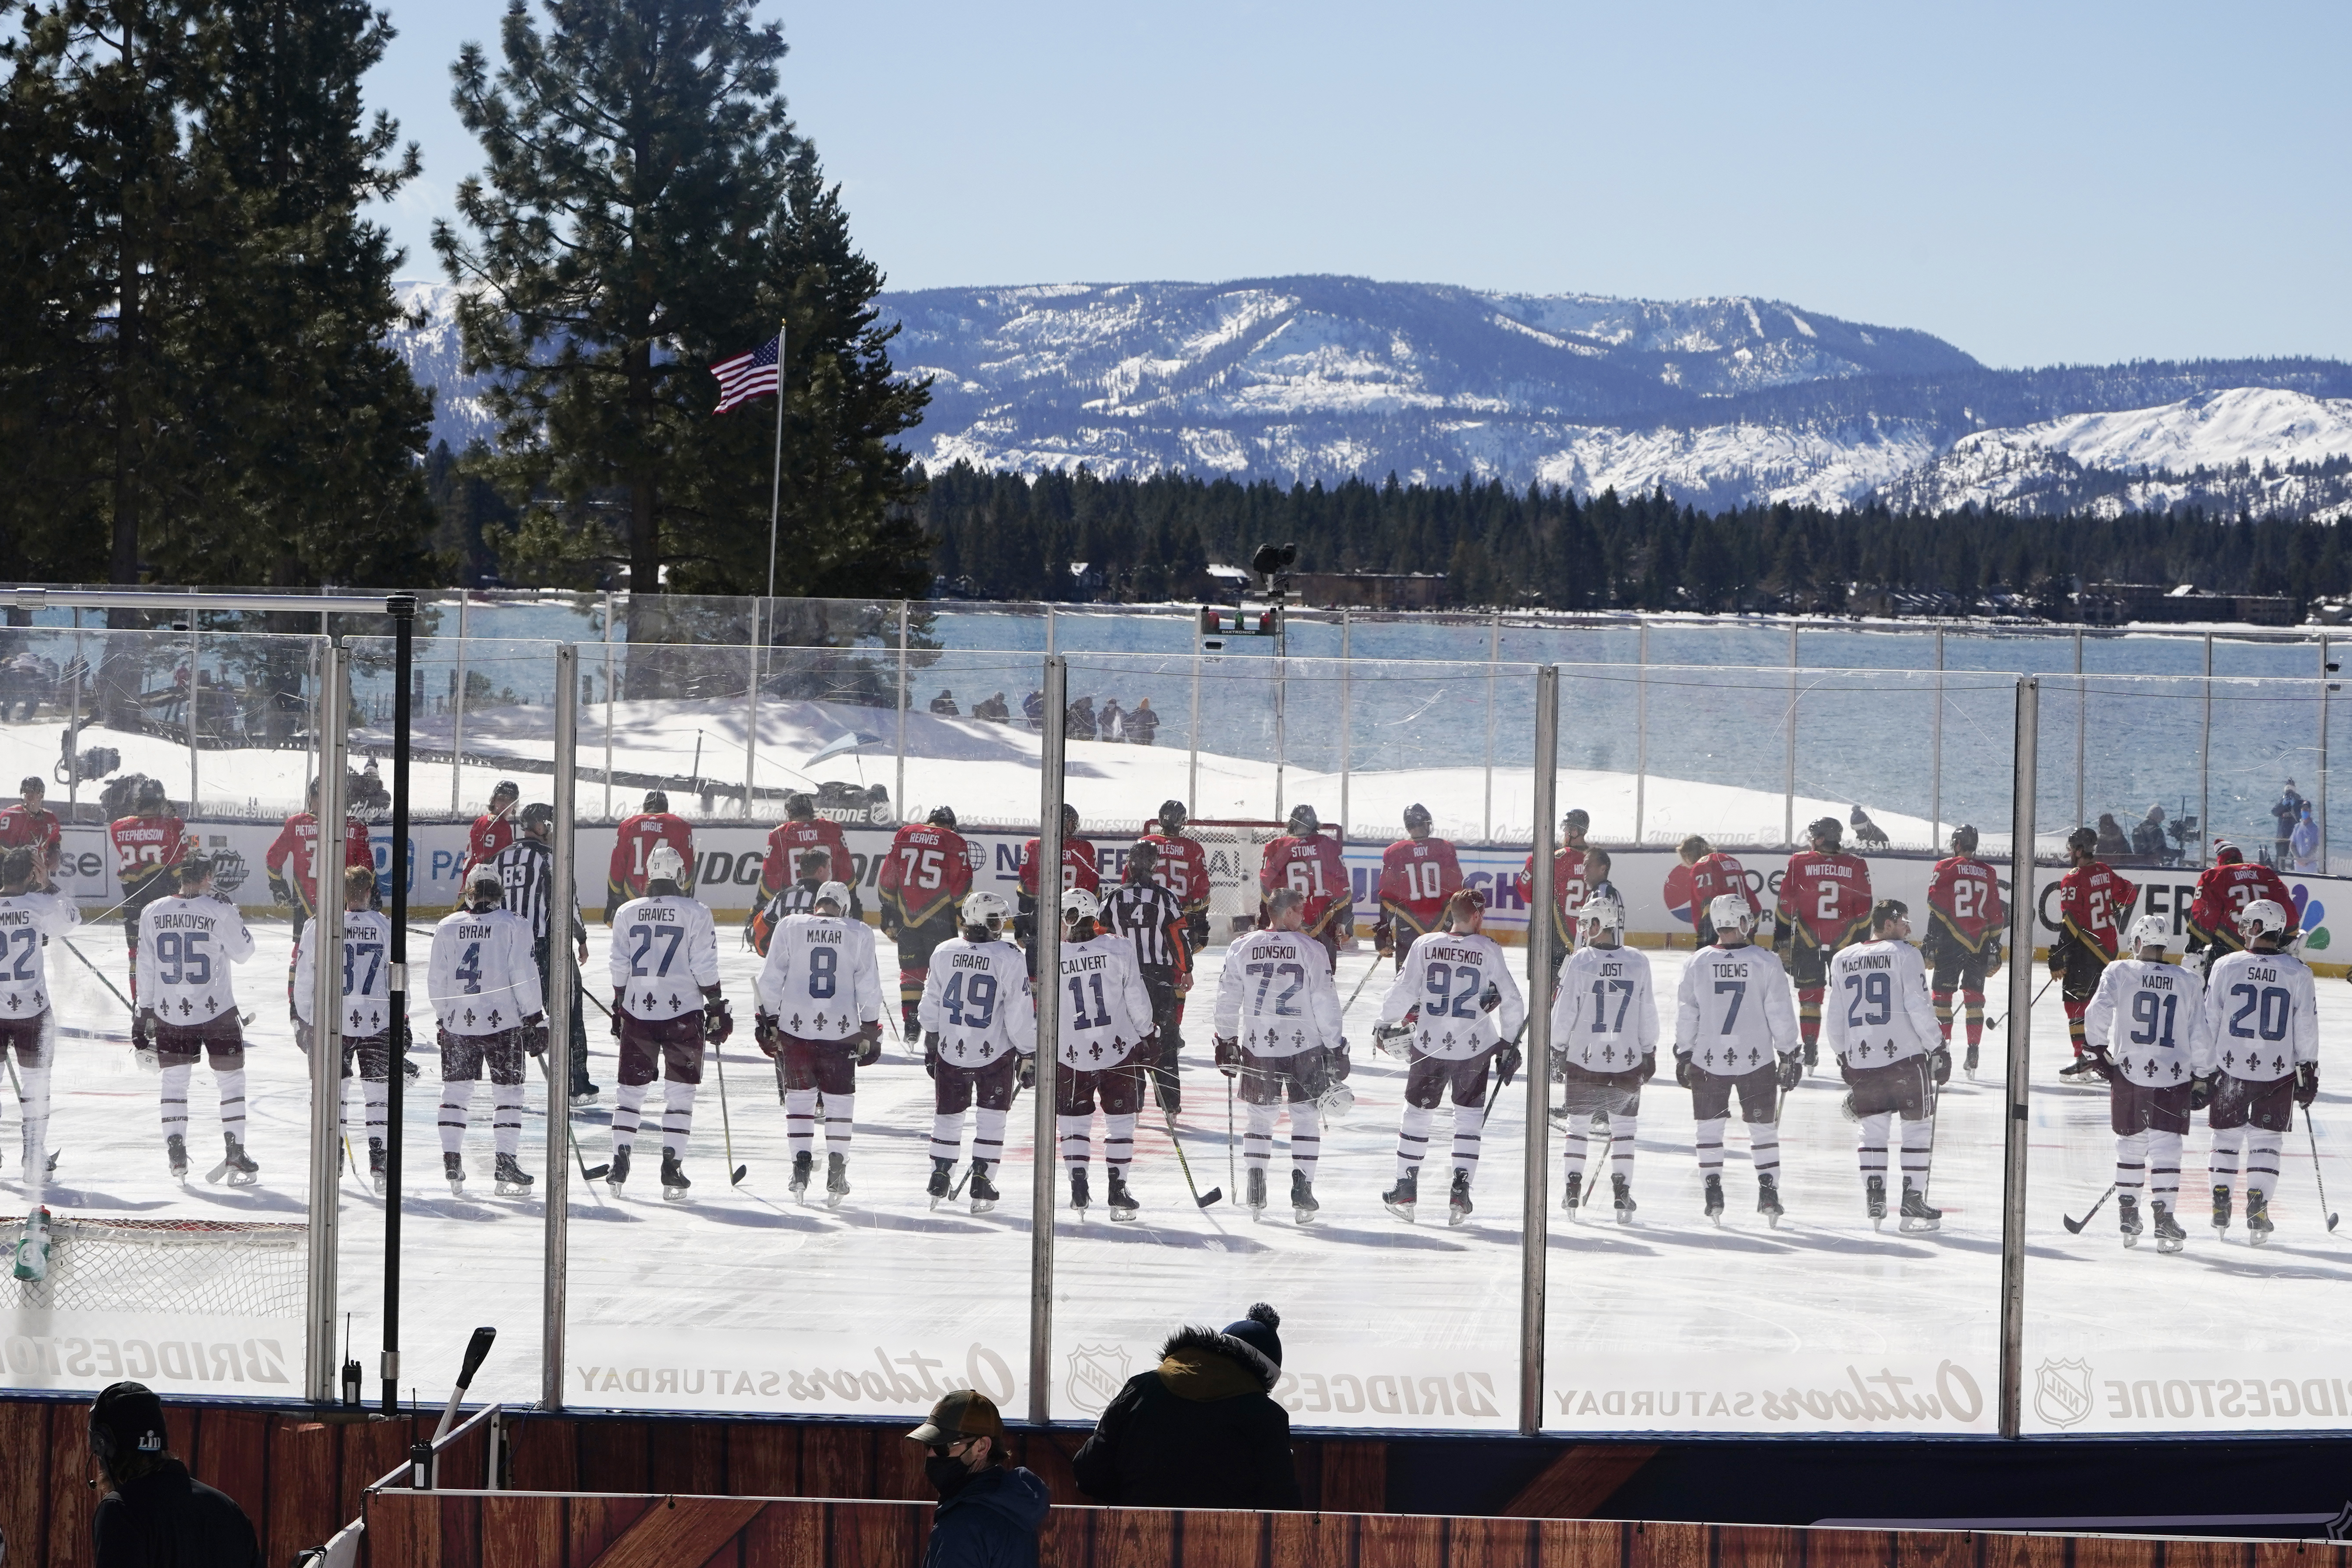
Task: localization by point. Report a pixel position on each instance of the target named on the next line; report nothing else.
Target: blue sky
(2035, 184)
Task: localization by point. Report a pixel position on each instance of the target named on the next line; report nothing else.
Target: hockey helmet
(1729, 912)
(1077, 904)
(2226, 853)
(985, 910)
(658, 800)
(665, 864)
(484, 890)
(800, 807)
(1417, 820)
(1173, 815)
(2262, 917)
(1141, 862)
(505, 789)
(1826, 830)
(1336, 1101)
(538, 814)
(1069, 819)
(1576, 819)
(1600, 912)
(2085, 840)
(1964, 839)
(942, 817)
(150, 797)
(837, 895)
(2151, 930)
(1302, 821)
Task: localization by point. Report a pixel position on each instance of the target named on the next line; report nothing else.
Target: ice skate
(1768, 1201)
(2080, 1069)
(1122, 1204)
(836, 1179)
(513, 1181)
(1715, 1199)
(2221, 1205)
(983, 1190)
(1917, 1215)
(1303, 1206)
(584, 1096)
(803, 1163)
(1873, 1200)
(2169, 1237)
(2128, 1217)
(235, 1164)
(2258, 1216)
(1621, 1194)
(1457, 1202)
(378, 1173)
(1079, 1189)
(1571, 1195)
(941, 1171)
(453, 1167)
(175, 1151)
(1402, 1198)
(1812, 1055)
(1969, 1062)
(675, 1185)
(1255, 1195)
(620, 1171)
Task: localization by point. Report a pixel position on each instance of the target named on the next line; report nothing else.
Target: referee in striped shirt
(1152, 918)
(526, 867)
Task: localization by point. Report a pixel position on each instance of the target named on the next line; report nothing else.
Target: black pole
(402, 608)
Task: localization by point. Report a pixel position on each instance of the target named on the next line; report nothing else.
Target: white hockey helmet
(1726, 911)
(2260, 917)
(836, 894)
(1077, 904)
(2150, 930)
(1336, 1101)
(484, 888)
(664, 864)
(983, 908)
(1600, 912)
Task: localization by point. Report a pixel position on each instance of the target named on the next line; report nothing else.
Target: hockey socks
(1943, 1000)
(800, 1119)
(1413, 1140)
(1119, 1146)
(1620, 1146)
(231, 1100)
(628, 1107)
(987, 1135)
(2253, 1149)
(1974, 1001)
(175, 1100)
(677, 1115)
(1468, 1122)
(1306, 1136)
(1763, 1146)
(33, 1109)
(1077, 1139)
(910, 993)
(1809, 1016)
(1916, 1137)
(506, 1119)
(456, 1110)
(947, 1136)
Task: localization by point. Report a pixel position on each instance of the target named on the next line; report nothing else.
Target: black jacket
(1201, 1430)
(990, 1522)
(169, 1519)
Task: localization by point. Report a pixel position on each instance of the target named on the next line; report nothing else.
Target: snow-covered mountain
(1722, 401)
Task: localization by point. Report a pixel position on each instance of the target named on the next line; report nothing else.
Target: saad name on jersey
(2253, 971)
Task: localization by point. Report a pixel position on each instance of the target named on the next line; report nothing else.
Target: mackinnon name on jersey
(1871, 961)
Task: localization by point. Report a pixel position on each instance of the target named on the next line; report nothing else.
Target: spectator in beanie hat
(988, 1511)
(1200, 1430)
(153, 1511)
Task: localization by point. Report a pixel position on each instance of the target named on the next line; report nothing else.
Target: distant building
(1371, 589)
(2115, 604)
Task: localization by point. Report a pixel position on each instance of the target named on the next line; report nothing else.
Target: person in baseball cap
(988, 1511)
(153, 1510)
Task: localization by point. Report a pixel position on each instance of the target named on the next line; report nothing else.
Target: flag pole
(759, 640)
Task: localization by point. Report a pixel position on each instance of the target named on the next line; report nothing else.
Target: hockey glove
(764, 1032)
(1339, 1064)
(2201, 1091)
(1649, 1066)
(1196, 929)
(1992, 960)
(280, 891)
(533, 1034)
(930, 1054)
(302, 1035)
(615, 1014)
(2306, 1082)
(1383, 938)
(867, 1043)
(1507, 1066)
(1490, 998)
(890, 926)
(1028, 1071)
(1939, 1062)
(1228, 1054)
(717, 1021)
(1792, 1071)
(1685, 1072)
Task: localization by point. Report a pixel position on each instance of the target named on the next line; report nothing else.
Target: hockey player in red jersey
(2228, 886)
(1183, 871)
(1824, 904)
(493, 831)
(801, 830)
(1965, 916)
(2092, 904)
(1077, 871)
(924, 876)
(1571, 884)
(1308, 860)
(1418, 874)
(147, 846)
(635, 839)
(31, 824)
(289, 864)
(1713, 874)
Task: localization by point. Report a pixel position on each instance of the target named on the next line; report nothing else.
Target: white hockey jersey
(1878, 1009)
(1106, 1011)
(366, 1008)
(1606, 1016)
(976, 1000)
(1275, 995)
(2262, 1016)
(482, 980)
(1734, 1014)
(820, 981)
(26, 922)
(2150, 1020)
(665, 951)
(186, 949)
(1444, 974)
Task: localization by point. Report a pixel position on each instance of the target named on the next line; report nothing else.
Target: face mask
(946, 1472)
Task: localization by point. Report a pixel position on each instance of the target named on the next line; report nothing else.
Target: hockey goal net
(1235, 850)
(200, 1266)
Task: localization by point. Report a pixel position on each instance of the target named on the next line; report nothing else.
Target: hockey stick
(1359, 990)
(102, 980)
(727, 1122)
(587, 1172)
(1996, 1023)
(1229, 1133)
(2076, 1225)
(1213, 1193)
(2313, 1132)
(1500, 1081)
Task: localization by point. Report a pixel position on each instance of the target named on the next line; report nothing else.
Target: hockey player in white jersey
(30, 915)
(366, 1010)
(483, 987)
(1879, 1021)
(1278, 1032)
(665, 1008)
(980, 1041)
(820, 1019)
(2146, 1030)
(1736, 1029)
(187, 942)
(2262, 1050)
(1463, 1012)
(1604, 1045)
(1108, 1046)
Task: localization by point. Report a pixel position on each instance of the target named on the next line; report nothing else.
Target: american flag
(747, 377)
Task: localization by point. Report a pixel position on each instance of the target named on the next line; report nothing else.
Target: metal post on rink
(2023, 912)
(2203, 838)
(318, 1363)
(1640, 731)
(560, 999)
(1535, 1071)
(1789, 745)
(1048, 944)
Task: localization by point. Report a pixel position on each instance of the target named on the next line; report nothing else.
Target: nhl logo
(229, 871)
(1097, 1373)
(2062, 1392)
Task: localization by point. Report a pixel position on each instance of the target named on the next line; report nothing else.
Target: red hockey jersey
(486, 839)
(147, 847)
(625, 878)
(1825, 899)
(929, 869)
(789, 841)
(2223, 891)
(1417, 876)
(298, 842)
(1964, 901)
(32, 827)
(1714, 875)
(2092, 903)
(1077, 868)
(1568, 886)
(1183, 869)
(1313, 866)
